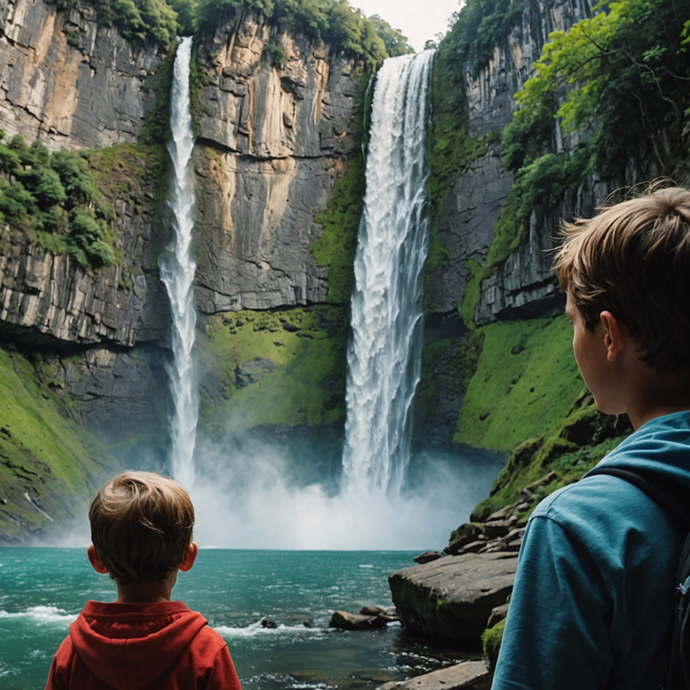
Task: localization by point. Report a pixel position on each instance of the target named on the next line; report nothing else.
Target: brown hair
(141, 525)
(633, 259)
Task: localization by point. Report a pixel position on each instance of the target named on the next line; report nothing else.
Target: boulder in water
(354, 621)
(453, 597)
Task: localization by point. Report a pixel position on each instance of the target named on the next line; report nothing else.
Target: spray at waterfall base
(254, 495)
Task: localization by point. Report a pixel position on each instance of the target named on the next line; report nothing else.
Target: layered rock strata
(68, 81)
(272, 136)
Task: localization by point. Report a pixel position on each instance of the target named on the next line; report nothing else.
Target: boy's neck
(658, 396)
(146, 592)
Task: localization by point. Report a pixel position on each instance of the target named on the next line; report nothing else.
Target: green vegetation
(156, 129)
(448, 364)
(451, 149)
(478, 27)
(49, 466)
(336, 248)
(344, 28)
(283, 367)
(338, 244)
(491, 642)
(565, 453)
(525, 382)
(138, 20)
(625, 79)
(53, 198)
(396, 44)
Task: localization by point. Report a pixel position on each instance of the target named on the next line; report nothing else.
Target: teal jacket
(593, 599)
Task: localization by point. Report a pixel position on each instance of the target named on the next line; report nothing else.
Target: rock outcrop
(48, 299)
(524, 286)
(467, 675)
(68, 81)
(453, 597)
(272, 136)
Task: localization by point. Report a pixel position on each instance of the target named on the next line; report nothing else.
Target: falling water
(384, 355)
(177, 272)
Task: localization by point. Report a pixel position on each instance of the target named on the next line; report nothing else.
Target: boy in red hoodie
(141, 529)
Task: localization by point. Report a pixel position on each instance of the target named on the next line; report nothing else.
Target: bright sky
(419, 20)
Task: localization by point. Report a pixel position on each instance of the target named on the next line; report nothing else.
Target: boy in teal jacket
(593, 600)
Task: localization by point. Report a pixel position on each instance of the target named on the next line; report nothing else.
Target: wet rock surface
(467, 675)
(452, 597)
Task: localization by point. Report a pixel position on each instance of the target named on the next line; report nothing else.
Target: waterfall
(177, 273)
(384, 352)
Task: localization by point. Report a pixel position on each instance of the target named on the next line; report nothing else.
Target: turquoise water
(43, 589)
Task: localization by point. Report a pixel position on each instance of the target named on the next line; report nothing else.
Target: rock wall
(91, 94)
(271, 138)
(524, 284)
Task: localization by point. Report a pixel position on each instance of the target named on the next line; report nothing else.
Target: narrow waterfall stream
(177, 273)
(384, 355)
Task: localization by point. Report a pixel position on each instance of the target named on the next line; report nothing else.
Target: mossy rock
(50, 467)
(283, 367)
(491, 643)
(525, 381)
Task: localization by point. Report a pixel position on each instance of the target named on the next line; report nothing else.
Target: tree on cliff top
(334, 21)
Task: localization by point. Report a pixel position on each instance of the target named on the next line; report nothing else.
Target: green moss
(533, 460)
(44, 454)
(447, 368)
(491, 642)
(285, 367)
(336, 248)
(525, 382)
(451, 148)
(156, 129)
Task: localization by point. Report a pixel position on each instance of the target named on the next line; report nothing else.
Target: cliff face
(68, 81)
(273, 139)
(271, 135)
(524, 285)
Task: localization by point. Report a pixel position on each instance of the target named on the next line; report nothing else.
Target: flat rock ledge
(467, 675)
(453, 596)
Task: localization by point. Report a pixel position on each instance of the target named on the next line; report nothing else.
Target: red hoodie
(137, 646)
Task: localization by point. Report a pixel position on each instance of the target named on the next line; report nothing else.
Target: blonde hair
(633, 259)
(141, 526)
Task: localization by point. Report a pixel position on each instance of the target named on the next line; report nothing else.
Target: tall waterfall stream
(177, 273)
(249, 494)
(384, 355)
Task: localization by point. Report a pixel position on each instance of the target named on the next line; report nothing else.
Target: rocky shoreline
(455, 595)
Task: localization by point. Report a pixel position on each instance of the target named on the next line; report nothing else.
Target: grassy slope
(305, 382)
(43, 453)
(525, 382)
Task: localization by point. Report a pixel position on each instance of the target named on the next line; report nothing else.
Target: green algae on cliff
(49, 466)
(525, 382)
(282, 367)
(338, 244)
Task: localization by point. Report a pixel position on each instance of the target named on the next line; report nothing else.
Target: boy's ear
(615, 336)
(95, 560)
(189, 557)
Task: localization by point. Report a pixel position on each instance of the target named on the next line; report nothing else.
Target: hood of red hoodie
(129, 645)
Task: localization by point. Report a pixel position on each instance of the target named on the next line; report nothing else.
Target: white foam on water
(43, 615)
(256, 629)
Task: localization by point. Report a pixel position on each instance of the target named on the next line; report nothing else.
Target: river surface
(43, 589)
